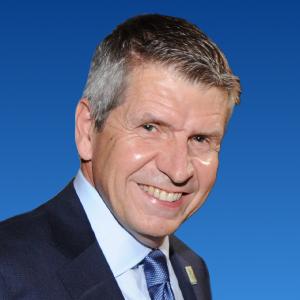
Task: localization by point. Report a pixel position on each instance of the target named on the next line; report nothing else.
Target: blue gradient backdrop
(248, 230)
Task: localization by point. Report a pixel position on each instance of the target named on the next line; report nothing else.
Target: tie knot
(155, 268)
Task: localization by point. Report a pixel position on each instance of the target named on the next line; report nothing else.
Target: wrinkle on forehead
(153, 94)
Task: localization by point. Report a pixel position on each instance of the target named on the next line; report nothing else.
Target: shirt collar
(121, 250)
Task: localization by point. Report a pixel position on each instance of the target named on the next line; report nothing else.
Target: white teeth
(156, 193)
(161, 194)
(170, 197)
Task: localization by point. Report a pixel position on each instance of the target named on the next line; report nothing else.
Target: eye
(149, 127)
(200, 138)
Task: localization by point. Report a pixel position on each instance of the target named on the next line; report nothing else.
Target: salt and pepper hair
(156, 39)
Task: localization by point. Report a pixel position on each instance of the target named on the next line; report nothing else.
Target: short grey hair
(154, 38)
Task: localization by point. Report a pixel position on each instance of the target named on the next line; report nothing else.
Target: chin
(155, 232)
(150, 240)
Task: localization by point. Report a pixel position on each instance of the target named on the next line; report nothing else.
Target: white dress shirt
(121, 250)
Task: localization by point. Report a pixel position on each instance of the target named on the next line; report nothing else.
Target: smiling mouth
(160, 194)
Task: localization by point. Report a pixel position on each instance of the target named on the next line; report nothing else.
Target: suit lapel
(179, 264)
(85, 274)
(182, 257)
(88, 276)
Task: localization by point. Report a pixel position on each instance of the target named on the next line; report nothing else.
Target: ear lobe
(84, 130)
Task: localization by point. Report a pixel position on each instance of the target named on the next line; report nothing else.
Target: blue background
(248, 230)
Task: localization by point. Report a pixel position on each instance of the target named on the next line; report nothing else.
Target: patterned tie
(157, 276)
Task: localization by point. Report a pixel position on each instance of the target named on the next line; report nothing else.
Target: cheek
(119, 163)
(206, 169)
(133, 154)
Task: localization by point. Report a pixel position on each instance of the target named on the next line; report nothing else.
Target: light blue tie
(157, 276)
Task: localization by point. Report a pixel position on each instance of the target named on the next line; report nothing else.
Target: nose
(174, 161)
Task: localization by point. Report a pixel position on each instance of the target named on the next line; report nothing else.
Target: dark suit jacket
(52, 253)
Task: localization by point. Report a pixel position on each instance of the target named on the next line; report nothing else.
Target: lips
(160, 194)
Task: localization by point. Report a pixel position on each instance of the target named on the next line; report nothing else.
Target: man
(148, 131)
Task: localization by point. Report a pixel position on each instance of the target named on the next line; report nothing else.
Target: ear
(84, 130)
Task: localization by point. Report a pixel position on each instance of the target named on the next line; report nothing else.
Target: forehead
(163, 89)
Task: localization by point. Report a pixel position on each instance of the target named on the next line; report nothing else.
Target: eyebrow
(217, 132)
(153, 118)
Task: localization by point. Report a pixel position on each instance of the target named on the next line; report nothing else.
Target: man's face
(156, 158)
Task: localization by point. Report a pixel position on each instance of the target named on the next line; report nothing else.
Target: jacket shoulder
(33, 247)
(28, 226)
(24, 228)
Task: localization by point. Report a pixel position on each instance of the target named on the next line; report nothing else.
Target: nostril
(180, 183)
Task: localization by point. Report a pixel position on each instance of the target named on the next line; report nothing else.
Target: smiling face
(155, 160)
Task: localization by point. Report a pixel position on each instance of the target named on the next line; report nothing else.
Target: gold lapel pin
(190, 272)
